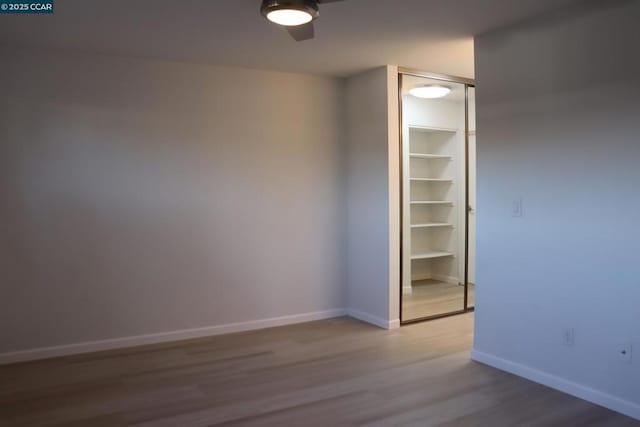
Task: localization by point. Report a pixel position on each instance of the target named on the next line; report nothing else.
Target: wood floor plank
(434, 297)
(337, 372)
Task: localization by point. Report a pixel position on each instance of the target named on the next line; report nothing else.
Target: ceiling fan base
(308, 6)
(301, 32)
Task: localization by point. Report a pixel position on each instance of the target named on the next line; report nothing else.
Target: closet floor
(433, 297)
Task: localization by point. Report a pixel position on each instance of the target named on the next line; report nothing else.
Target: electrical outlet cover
(569, 337)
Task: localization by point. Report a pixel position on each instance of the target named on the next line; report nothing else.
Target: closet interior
(438, 196)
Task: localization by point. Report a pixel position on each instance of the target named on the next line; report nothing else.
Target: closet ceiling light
(290, 13)
(430, 91)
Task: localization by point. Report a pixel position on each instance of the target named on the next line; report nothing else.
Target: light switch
(516, 207)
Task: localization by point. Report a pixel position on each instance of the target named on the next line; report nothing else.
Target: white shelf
(430, 156)
(431, 202)
(431, 255)
(431, 180)
(432, 225)
(431, 129)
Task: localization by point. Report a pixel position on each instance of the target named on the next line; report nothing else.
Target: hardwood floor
(433, 297)
(337, 372)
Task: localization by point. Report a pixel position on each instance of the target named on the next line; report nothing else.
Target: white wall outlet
(625, 352)
(569, 337)
(516, 207)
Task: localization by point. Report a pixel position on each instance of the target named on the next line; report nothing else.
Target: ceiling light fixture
(290, 13)
(430, 91)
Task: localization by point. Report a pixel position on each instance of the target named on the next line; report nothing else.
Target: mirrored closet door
(436, 197)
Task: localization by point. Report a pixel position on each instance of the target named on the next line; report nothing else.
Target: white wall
(558, 112)
(372, 191)
(438, 113)
(141, 197)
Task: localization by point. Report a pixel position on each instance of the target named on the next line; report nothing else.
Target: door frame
(402, 71)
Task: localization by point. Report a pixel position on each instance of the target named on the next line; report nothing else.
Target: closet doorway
(437, 195)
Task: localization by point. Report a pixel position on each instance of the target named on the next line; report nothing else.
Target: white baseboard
(184, 334)
(440, 277)
(407, 290)
(614, 403)
(374, 320)
(448, 279)
(394, 324)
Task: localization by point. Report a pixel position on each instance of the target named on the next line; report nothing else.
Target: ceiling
(351, 36)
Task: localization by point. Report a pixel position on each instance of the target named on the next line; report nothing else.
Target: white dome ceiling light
(290, 17)
(296, 16)
(430, 91)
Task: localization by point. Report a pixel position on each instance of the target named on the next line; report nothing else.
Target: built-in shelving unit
(432, 164)
(431, 202)
(430, 156)
(431, 129)
(432, 179)
(432, 225)
(431, 255)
